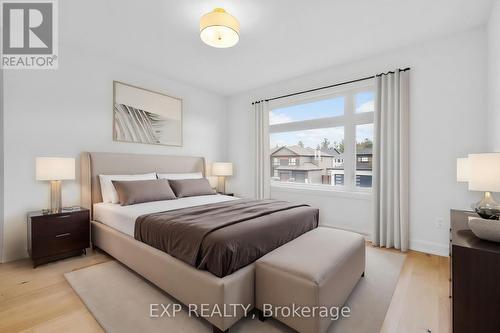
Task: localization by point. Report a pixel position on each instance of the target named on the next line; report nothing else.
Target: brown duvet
(224, 237)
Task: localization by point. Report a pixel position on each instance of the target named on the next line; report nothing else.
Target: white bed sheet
(122, 218)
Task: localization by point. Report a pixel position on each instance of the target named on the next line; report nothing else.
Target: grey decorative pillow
(132, 192)
(191, 187)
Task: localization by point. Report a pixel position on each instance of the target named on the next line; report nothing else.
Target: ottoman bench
(318, 269)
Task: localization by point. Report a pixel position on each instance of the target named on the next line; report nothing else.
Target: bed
(123, 218)
(112, 231)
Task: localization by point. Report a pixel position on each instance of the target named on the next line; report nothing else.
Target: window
(364, 148)
(314, 165)
(324, 138)
(324, 108)
(339, 179)
(365, 101)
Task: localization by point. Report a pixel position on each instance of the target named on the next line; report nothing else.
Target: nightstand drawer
(49, 226)
(60, 243)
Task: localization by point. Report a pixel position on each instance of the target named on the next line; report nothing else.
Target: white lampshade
(55, 168)
(462, 169)
(484, 172)
(219, 29)
(213, 181)
(222, 169)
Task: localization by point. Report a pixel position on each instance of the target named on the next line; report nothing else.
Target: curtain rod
(329, 86)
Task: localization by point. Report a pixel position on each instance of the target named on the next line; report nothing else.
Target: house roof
(332, 151)
(275, 149)
(303, 167)
(364, 151)
(300, 151)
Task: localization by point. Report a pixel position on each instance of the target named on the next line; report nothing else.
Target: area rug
(120, 300)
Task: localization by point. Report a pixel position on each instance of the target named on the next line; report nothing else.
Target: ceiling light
(219, 29)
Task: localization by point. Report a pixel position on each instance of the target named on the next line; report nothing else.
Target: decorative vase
(485, 229)
(487, 208)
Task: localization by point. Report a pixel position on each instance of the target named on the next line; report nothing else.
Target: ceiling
(280, 39)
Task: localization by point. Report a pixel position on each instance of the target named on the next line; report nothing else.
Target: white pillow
(175, 176)
(108, 190)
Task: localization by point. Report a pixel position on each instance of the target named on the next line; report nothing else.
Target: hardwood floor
(40, 300)
(421, 300)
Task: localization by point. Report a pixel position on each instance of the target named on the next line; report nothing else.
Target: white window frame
(349, 120)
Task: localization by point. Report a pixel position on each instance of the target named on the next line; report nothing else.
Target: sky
(333, 107)
(325, 108)
(320, 109)
(310, 138)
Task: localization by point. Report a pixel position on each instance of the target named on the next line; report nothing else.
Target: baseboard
(415, 245)
(14, 256)
(430, 247)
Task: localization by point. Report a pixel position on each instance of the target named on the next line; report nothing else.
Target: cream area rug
(120, 300)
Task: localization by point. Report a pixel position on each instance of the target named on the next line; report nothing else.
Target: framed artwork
(145, 116)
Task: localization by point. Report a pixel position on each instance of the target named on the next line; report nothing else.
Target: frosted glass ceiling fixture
(219, 29)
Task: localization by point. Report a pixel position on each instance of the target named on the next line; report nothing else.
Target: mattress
(122, 218)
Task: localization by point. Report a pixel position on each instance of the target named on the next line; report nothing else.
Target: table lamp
(462, 169)
(222, 170)
(484, 175)
(55, 169)
(213, 181)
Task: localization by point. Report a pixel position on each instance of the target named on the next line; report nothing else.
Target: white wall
(448, 84)
(1, 162)
(69, 110)
(494, 78)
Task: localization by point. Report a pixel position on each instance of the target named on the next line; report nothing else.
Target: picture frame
(146, 116)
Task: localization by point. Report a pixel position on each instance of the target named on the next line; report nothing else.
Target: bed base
(185, 283)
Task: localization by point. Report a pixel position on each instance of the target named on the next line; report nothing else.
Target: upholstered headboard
(95, 164)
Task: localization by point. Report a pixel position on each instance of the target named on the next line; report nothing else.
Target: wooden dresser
(475, 278)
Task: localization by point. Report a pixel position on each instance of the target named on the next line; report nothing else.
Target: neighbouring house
(311, 166)
(301, 165)
(364, 158)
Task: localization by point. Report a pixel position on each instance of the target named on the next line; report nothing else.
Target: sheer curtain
(262, 158)
(390, 164)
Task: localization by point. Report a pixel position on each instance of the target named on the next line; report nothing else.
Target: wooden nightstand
(53, 236)
(475, 272)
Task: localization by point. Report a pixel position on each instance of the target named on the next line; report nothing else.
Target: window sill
(323, 190)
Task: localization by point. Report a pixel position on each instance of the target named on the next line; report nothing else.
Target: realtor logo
(29, 39)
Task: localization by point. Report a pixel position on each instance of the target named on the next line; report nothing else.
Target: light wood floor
(40, 300)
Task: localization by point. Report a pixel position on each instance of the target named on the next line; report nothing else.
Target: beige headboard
(95, 164)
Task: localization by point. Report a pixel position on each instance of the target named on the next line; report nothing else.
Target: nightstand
(475, 272)
(53, 236)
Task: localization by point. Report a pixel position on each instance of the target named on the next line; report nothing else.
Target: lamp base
(487, 208)
(55, 196)
(221, 186)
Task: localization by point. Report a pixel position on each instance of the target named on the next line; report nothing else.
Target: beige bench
(318, 269)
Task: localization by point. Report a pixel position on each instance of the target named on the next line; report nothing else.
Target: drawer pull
(62, 216)
(63, 235)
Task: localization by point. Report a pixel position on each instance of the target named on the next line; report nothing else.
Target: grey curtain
(390, 164)
(262, 158)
